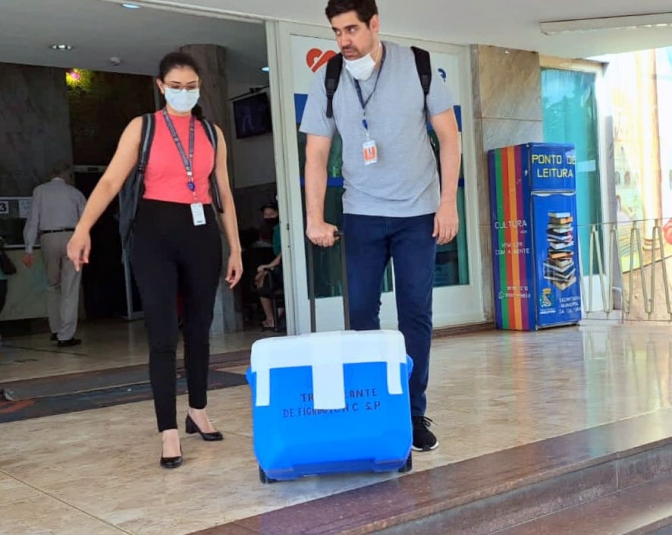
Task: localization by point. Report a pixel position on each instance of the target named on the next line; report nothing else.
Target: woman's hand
(234, 270)
(79, 248)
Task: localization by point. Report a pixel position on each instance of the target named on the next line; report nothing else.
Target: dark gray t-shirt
(405, 181)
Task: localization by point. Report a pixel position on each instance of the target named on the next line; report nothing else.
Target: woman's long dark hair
(177, 60)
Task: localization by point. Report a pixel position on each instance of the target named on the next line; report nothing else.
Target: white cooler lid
(326, 353)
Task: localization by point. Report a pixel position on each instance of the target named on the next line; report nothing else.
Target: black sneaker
(423, 438)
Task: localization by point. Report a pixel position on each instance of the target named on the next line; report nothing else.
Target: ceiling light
(61, 47)
(130, 6)
(626, 22)
(265, 69)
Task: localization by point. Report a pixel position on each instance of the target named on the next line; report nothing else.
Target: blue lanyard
(363, 102)
(188, 162)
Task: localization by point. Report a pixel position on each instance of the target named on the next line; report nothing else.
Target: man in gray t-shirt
(394, 204)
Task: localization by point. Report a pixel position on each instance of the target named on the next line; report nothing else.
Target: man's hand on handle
(322, 234)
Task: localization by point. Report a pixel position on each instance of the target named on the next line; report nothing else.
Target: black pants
(170, 254)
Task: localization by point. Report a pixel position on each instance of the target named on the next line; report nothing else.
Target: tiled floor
(112, 344)
(97, 471)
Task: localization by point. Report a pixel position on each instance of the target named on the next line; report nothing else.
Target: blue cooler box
(331, 403)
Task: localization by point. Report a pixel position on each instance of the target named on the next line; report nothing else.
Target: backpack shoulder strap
(424, 68)
(211, 132)
(132, 190)
(146, 137)
(331, 79)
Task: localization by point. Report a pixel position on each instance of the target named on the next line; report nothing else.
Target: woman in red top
(176, 244)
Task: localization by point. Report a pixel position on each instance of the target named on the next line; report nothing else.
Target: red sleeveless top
(165, 177)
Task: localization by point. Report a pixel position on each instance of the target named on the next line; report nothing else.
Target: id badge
(198, 214)
(370, 152)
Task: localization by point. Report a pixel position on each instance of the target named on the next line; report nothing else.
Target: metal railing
(626, 259)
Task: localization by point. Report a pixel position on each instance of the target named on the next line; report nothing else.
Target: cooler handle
(344, 282)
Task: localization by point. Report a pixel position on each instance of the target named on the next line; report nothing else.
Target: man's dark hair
(365, 9)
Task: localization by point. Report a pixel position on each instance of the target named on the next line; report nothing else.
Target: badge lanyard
(188, 162)
(369, 148)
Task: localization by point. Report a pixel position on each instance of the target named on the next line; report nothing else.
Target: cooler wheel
(264, 478)
(408, 466)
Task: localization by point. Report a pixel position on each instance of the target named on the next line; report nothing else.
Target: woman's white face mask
(182, 100)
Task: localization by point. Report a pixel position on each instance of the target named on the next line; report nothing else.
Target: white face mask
(182, 100)
(362, 68)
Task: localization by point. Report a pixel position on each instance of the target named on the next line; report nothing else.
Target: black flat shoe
(192, 429)
(171, 462)
(69, 343)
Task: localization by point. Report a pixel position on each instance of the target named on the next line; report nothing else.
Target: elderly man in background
(55, 210)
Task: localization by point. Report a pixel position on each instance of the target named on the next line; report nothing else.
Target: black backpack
(133, 189)
(335, 66)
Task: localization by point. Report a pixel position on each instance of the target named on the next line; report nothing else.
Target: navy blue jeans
(370, 242)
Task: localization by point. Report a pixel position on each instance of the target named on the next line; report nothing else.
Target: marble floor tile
(108, 469)
(106, 345)
(488, 392)
(43, 515)
(12, 490)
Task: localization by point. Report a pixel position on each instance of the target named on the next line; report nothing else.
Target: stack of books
(559, 266)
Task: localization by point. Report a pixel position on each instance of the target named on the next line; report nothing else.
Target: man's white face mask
(362, 68)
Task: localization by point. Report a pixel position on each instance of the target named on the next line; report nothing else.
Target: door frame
(465, 301)
(595, 287)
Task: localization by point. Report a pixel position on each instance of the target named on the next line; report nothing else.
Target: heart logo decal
(316, 58)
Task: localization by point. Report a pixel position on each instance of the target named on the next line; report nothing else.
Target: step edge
(644, 529)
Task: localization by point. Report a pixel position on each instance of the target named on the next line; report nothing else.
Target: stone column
(211, 60)
(34, 136)
(34, 126)
(506, 88)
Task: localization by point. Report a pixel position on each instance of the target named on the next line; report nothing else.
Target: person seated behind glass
(270, 214)
(269, 276)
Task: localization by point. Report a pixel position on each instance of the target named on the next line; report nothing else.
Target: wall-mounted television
(252, 115)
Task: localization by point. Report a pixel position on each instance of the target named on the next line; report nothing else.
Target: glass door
(571, 115)
(296, 53)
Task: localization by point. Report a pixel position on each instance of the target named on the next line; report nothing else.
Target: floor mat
(39, 407)
(75, 383)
